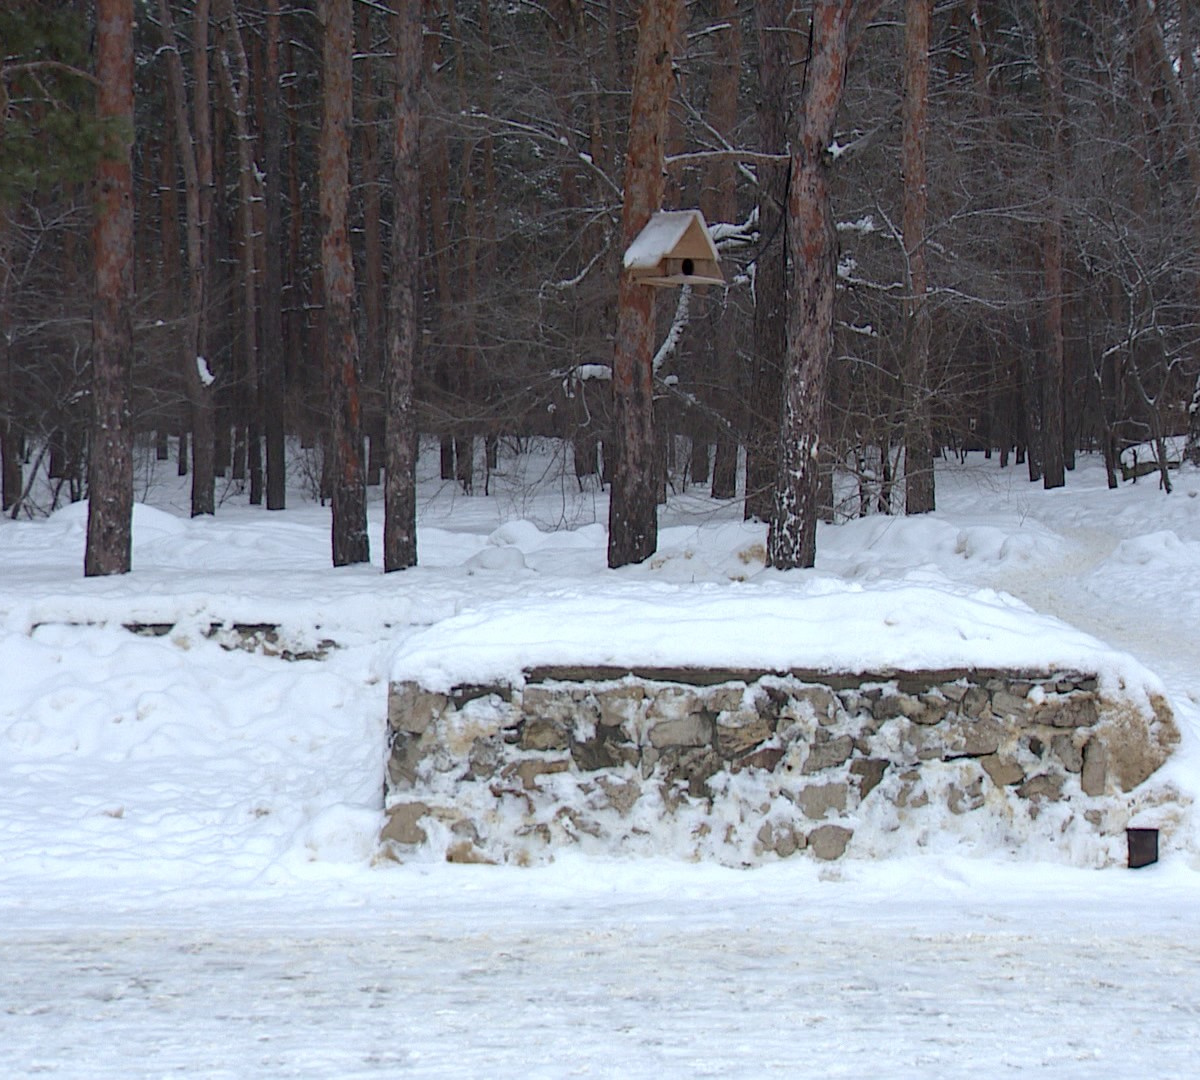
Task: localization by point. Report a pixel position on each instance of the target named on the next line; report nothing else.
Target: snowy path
(614, 987)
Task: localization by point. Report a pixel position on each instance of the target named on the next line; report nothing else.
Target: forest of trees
(944, 225)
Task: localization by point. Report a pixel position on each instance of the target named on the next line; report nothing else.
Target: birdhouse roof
(670, 233)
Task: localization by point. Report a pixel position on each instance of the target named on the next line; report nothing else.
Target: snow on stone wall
(743, 767)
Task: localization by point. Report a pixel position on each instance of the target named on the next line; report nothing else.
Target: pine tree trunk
(347, 479)
(1052, 245)
(110, 463)
(400, 469)
(235, 80)
(770, 278)
(918, 439)
(272, 250)
(812, 243)
(10, 443)
(633, 505)
(719, 203)
(195, 156)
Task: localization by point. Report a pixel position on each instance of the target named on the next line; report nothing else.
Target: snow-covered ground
(187, 882)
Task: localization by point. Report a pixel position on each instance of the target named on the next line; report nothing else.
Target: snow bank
(820, 624)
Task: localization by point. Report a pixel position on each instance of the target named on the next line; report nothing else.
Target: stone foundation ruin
(747, 766)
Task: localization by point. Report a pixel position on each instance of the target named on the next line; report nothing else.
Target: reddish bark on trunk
(633, 505)
(347, 478)
(110, 465)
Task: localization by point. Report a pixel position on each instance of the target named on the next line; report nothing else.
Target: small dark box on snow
(1143, 847)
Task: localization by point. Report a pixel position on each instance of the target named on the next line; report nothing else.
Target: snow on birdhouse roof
(664, 233)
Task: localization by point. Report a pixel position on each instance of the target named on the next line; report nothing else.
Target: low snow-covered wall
(743, 766)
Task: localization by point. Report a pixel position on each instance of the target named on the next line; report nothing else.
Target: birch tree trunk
(110, 460)
(633, 505)
(348, 488)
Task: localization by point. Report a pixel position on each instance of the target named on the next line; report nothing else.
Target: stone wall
(744, 767)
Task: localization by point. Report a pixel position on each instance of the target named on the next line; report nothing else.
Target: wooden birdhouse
(674, 249)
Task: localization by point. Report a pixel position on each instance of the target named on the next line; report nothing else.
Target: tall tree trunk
(195, 156)
(633, 505)
(1049, 22)
(1180, 85)
(110, 463)
(235, 80)
(721, 197)
(770, 277)
(812, 243)
(371, 184)
(10, 442)
(918, 439)
(272, 249)
(347, 478)
(400, 475)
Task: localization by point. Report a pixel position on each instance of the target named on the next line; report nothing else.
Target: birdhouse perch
(674, 249)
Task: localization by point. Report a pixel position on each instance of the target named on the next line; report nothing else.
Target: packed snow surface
(188, 882)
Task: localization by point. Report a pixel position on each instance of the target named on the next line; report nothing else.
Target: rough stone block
(686, 730)
(1071, 710)
(728, 698)
(693, 766)
(1002, 771)
(829, 842)
(828, 755)
(1094, 772)
(1045, 786)
(412, 709)
(530, 770)
(869, 772)
(619, 704)
(738, 732)
(767, 759)
(675, 703)
(401, 826)
(972, 738)
(817, 800)
(487, 753)
(781, 838)
(954, 691)
(548, 704)
(819, 699)
(407, 752)
(620, 794)
(1009, 706)
(1137, 744)
(976, 703)
(544, 733)
(1066, 750)
(603, 752)
(936, 708)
